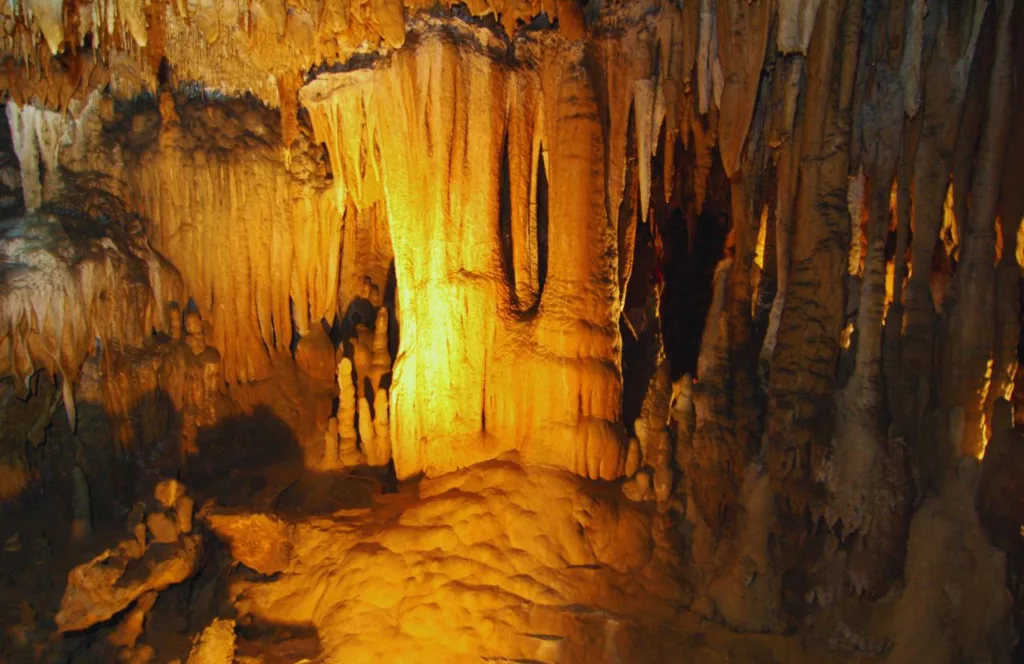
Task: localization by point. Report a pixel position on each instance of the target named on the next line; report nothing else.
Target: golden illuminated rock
(441, 415)
(486, 563)
(256, 540)
(216, 645)
(662, 331)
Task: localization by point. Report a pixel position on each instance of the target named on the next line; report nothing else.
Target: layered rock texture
(650, 312)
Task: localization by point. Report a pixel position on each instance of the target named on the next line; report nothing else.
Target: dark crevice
(163, 75)
(542, 223)
(693, 243)
(505, 220)
(627, 207)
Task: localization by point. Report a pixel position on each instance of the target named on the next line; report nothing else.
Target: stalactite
(893, 329)
(1011, 216)
(882, 123)
(65, 288)
(788, 89)
(743, 31)
(808, 338)
(705, 55)
(37, 134)
(969, 349)
(259, 247)
(864, 470)
(796, 23)
(943, 98)
(1007, 316)
(430, 204)
(911, 71)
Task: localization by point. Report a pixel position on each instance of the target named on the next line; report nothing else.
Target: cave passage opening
(677, 249)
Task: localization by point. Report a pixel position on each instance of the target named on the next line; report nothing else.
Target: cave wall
(865, 317)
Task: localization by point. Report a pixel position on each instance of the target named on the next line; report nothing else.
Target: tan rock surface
(110, 582)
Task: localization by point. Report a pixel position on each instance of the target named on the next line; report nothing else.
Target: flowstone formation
(535, 330)
(450, 126)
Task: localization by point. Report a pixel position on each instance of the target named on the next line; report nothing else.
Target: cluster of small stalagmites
(359, 435)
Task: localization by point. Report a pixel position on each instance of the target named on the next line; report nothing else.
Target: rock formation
(692, 326)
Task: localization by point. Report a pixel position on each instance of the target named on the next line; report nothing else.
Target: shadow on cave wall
(249, 461)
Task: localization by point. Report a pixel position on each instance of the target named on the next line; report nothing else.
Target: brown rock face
(486, 227)
(104, 586)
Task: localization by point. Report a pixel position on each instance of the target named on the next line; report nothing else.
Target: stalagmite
(176, 325)
(380, 364)
(347, 437)
(378, 448)
(633, 458)
(183, 510)
(511, 330)
(195, 336)
(362, 357)
(366, 432)
(331, 459)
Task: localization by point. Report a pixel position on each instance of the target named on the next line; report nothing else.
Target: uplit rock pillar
(505, 257)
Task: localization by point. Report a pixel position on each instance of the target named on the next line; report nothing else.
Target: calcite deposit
(523, 330)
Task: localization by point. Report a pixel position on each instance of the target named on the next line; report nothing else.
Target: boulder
(111, 581)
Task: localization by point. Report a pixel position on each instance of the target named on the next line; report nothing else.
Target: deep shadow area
(253, 441)
(689, 277)
(693, 242)
(250, 462)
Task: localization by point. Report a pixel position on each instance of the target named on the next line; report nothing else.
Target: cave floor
(493, 563)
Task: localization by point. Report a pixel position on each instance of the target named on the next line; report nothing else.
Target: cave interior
(511, 331)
